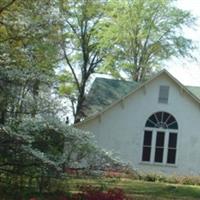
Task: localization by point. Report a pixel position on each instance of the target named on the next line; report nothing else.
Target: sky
(187, 71)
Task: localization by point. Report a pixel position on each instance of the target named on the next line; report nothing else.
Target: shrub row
(174, 179)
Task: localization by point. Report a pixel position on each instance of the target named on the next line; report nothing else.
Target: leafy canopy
(139, 35)
(82, 57)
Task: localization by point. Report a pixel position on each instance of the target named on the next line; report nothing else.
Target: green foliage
(36, 152)
(35, 147)
(28, 54)
(139, 35)
(79, 47)
(28, 31)
(31, 150)
(67, 87)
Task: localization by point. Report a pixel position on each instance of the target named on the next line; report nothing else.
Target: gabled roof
(105, 93)
(195, 90)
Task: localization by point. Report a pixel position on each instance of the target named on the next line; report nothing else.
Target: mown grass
(137, 189)
(140, 190)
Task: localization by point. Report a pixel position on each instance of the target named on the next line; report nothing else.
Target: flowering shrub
(114, 174)
(175, 179)
(125, 171)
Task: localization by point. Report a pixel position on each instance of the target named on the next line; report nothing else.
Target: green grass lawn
(141, 190)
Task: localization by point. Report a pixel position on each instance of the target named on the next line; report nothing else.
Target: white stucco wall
(121, 128)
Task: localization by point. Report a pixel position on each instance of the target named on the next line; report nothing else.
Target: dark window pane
(163, 120)
(159, 116)
(165, 116)
(171, 157)
(146, 154)
(159, 155)
(172, 140)
(149, 124)
(153, 119)
(173, 126)
(160, 139)
(147, 138)
(170, 120)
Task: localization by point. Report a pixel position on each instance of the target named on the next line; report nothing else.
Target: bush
(185, 180)
(174, 179)
(123, 171)
(149, 177)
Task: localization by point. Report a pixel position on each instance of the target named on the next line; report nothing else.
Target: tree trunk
(78, 114)
(35, 93)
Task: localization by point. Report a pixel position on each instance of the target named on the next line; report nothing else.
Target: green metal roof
(195, 90)
(106, 91)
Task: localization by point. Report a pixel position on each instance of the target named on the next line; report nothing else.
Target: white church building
(154, 126)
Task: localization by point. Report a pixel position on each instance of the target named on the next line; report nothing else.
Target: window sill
(158, 164)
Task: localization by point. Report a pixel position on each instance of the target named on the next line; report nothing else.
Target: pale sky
(188, 72)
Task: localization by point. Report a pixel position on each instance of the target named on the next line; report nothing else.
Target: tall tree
(79, 48)
(140, 35)
(28, 54)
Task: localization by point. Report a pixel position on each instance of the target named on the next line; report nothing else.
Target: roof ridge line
(137, 88)
(116, 79)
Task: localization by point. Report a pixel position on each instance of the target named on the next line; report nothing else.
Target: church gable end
(151, 125)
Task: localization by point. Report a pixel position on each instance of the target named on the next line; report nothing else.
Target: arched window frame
(162, 120)
(160, 139)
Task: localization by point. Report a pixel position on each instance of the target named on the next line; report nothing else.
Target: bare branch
(73, 29)
(71, 68)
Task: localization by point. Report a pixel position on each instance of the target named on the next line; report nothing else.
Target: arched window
(160, 139)
(162, 120)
